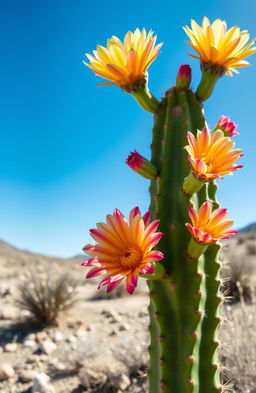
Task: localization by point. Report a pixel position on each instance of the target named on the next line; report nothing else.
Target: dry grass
(239, 255)
(45, 296)
(238, 336)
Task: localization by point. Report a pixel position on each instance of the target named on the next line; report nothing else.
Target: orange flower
(220, 47)
(123, 250)
(125, 63)
(212, 155)
(207, 226)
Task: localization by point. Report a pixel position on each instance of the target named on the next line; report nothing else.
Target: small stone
(30, 336)
(42, 384)
(113, 315)
(89, 378)
(71, 339)
(114, 332)
(47, 347)
(32, 358)
(27, 375)
(6, 371)
(12, 290)
(29, 343)
(60, 366)
(80, 333)
(142, 314)
(43, 357)
(57, 336)
(3, 289)
(42, 336)
(11, 347)
(124, 327)
(120, 381)
(8, 313)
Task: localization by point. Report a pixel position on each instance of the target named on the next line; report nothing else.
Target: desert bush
(45, 295)
(238, 337)
(240, 267)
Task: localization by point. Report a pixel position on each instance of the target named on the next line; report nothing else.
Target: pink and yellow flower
(209, 226)
(212, 155)
(124, 63)
(217, 46)
(123, 250)
(227, 126)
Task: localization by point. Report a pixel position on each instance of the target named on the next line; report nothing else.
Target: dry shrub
(45, 295)
(239, 355)
(239, 255)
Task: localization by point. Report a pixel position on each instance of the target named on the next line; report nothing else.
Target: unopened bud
(141, 165)
(183, 77)
(227, 126)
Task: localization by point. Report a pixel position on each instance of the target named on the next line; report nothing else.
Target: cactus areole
(186, 158)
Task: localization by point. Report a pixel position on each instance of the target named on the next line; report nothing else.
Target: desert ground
(100, 343)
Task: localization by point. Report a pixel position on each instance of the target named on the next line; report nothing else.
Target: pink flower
(209, 226)
(123, 250)
(227, 126)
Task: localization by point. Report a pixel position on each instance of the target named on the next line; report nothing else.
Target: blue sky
(64, 140)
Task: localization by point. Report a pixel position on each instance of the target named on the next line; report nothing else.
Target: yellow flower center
(131, 258)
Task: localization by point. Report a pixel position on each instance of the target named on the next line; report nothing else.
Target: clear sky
(64, 140)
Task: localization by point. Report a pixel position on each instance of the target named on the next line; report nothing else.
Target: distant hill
(248, 228)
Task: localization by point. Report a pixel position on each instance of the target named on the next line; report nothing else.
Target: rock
(47, 347)
(27, 375)
(43, 357)
(124, 327)
(71, 339)
(42, 336)
(6, 371)
(89, 378)
(114, 332)
(142, 314)
(113, 315)
(30, 336)
(120, 381)
(58, 336)
(3, 289)
(12, 291)
(42, 384)
(11, 347)
(80, 333)
(8, 313)
(29, 343)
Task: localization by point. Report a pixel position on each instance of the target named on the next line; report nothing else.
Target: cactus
(183, 279)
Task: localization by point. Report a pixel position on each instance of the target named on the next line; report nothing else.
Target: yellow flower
(212, 155)
(123, 250)
(218, 47)
(209, 226)
(125, 64)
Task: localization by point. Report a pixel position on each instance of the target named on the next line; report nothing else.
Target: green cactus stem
(209, 366)
(178, 320)
(146, 100)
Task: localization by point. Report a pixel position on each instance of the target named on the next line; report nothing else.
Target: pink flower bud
(227, 126)
(141, 165)
(183, 77)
